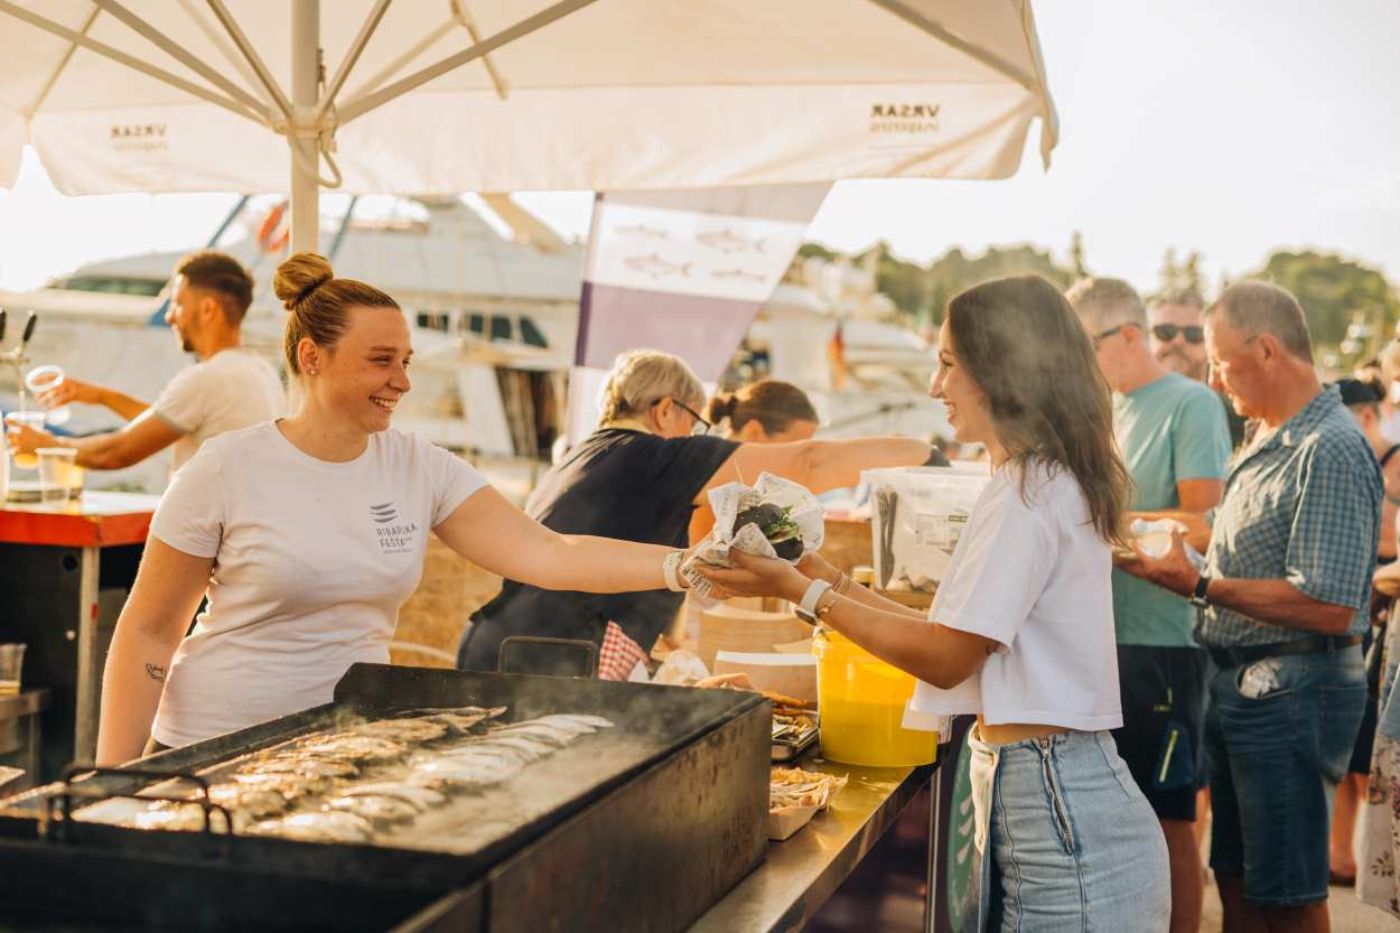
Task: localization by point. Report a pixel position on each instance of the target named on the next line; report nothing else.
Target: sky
(1230, 128)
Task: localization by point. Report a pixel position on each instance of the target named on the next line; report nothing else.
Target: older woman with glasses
(639, 477)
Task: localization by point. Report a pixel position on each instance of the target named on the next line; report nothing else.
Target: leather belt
(1240, 655)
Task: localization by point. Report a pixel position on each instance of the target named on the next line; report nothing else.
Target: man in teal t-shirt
(1175, 441)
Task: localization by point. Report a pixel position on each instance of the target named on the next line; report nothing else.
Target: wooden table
(65, 568)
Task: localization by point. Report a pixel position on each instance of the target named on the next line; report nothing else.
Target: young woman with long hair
(1021, 630)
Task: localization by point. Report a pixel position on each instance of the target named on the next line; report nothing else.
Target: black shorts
(1163, 691)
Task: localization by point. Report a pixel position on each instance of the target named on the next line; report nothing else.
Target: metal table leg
(89, 677)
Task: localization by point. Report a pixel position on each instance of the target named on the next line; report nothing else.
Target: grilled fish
(176, 816)
(527, 748)
(301, 764)
(461, 774)
(368, 749)
(290, 786)
(380, 811)
(580, 723)
(421, 798)
(557, 736)
(257, 803)
(412, 731)
(463, 719)
(320, 826)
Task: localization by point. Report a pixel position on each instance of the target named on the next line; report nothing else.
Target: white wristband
(807, 609)
(669, 566)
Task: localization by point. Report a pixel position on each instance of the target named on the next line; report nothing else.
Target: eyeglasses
(700, 427)
(1193, 333)
(1101, 337)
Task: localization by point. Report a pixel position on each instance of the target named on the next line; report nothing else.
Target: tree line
(1351, 307)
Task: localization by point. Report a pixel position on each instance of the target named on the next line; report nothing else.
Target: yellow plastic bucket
(861, 700)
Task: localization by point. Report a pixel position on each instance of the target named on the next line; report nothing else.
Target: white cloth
(1032, 574)
(235, 388)
(312, 562)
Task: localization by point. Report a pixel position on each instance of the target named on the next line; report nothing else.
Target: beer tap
(18, 357)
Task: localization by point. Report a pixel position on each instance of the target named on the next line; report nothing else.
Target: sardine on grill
(320, 826)
(257, 803)
(528, 748)
(290, 786)
(557, 736)
(380, 811)
(177, 816)
(579, 723)
(463, 719)
(301, 763)
(456, 773)
(411, 730)
(364, 749)
(421, 798)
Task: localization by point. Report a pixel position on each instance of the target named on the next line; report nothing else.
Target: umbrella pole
(305, 154)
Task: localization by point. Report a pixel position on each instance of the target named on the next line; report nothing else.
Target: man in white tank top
(229, 388)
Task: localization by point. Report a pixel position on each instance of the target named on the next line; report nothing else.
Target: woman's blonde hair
(1029, 354)
(639, 378)
(319, 302)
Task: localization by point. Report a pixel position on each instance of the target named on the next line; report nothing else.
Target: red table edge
(60, 529)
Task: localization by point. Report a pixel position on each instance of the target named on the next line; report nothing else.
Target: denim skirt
(1068, 842)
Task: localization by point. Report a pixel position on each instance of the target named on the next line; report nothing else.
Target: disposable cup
(40, 380)
(60, 477)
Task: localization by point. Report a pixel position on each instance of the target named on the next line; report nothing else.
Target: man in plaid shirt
(1282, 598)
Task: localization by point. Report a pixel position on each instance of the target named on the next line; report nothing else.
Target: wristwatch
(806, 610)
(1199, 598)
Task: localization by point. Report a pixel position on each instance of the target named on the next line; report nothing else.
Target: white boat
(494, 309)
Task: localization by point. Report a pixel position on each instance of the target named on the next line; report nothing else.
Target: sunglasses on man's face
(1193, 333)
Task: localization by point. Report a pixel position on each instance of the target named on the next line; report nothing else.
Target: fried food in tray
(794, 787)
(795, 796)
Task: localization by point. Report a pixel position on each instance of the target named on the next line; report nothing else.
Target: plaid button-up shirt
(1302, 505)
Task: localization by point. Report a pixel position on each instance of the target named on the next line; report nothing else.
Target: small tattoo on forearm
(155, 672)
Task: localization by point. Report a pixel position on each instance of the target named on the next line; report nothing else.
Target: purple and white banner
(680, 271)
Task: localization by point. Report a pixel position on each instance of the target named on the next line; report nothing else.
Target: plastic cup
(30, 419)
(60, 477)
(40, 380)
(11, 663)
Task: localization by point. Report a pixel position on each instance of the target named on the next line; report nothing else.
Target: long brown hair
(1030, 355)
(773, 404)
(319, 302)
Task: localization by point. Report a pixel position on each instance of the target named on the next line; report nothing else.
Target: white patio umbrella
(440, 96)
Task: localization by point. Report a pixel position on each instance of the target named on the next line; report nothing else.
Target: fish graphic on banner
(680, 271)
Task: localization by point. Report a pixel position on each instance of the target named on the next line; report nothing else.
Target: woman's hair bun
(721, 407)
(300, 275)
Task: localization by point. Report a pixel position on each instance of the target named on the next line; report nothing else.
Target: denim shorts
(1073, 842)
(1279, 733)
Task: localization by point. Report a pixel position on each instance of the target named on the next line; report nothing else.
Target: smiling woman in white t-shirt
(308, 533)
(1021, 629)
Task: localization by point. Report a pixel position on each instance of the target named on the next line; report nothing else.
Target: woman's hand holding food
(755, 576)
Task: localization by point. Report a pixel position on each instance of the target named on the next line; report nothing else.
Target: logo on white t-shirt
(394, 537)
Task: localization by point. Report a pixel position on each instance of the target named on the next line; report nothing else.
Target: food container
(862, 702)
(918, 515)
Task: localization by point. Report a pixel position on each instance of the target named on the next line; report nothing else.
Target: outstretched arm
(818, 465)
(132, 443)
(941, 656)
(73, 390)
(492, 533)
